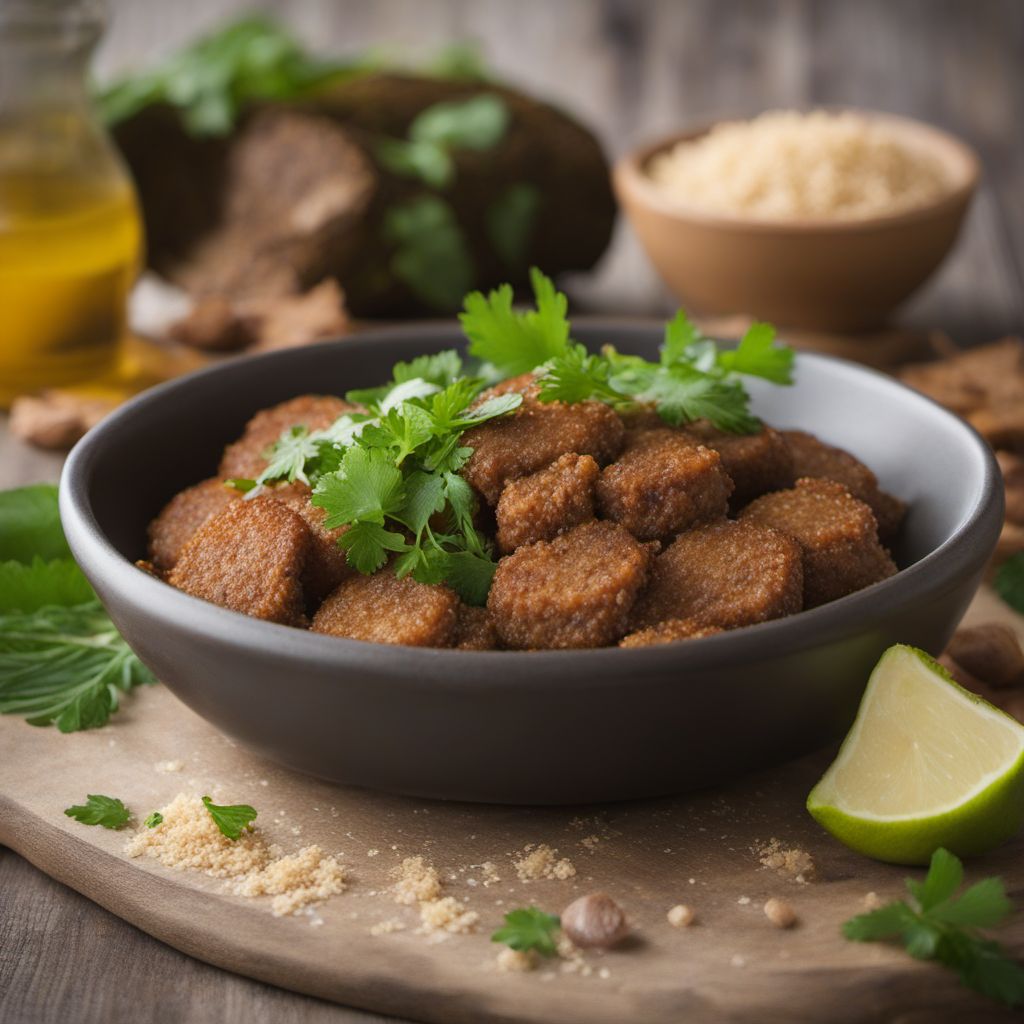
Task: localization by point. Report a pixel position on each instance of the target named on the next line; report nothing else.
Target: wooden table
(633, 69)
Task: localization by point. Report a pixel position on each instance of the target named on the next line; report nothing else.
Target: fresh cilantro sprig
(62, 661)
(935, 924)
(154, 819)
(529, 928)
(102, 810)
(693, 379)
(231, 819)
(1009, 581)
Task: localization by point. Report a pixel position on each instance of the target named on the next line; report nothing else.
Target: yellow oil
(70, 250)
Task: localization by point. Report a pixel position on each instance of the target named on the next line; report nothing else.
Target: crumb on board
(780, 913)
(541, 861)
(373, 853)
(188, 839)
(590, 843)
(871, 901)
(388, 926)
(488, 873)
(446, 916)
(681, 916)
(416, 881)
(514, 961)
(792, 862)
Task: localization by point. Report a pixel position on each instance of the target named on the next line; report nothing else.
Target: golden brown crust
(249, 558)
(574, 591)
(245, 458)
(814, 458)
(475, 630)
(725, 574)
(533, 437)
(663, 483)
(546, 503)
(386, 610)
(757, 463)
(837, 533)
(669, 632)
(179, 519)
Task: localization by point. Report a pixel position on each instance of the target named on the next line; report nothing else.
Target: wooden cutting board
(732, 965)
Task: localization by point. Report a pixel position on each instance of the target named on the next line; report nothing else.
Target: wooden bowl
(815, 274)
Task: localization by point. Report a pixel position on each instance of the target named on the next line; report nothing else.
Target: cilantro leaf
(288, 456)
(65, 666)
(757, 355)
(154, 819)
(30, 524)
(1009, 581)
(231, 819)
(514, 342)
(529, 928)
(470, 575)
(683, 395)
(367, 545)
(424, 496)
(29, 587)
(366, 487)
(107, 811)
(682, 339)
(578, 376)
(939, 926)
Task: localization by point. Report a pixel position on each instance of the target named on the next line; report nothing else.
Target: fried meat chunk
(668, 632)
(384, 609)
(574, 591)
(837, 533)
(475, 630)
(815, 458)
(249, 558)
(246, 457)
(177, 523)
(725, 574)
(662, 484)
(546, 503)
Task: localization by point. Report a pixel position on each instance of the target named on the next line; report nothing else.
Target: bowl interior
(172, 436)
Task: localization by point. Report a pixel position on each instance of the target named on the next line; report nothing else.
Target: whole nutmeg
(595, 921)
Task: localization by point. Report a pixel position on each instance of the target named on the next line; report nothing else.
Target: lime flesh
(926, 764)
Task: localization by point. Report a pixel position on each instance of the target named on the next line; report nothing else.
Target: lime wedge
(926, 764)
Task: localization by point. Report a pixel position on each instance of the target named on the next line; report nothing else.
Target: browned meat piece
(327, 564)
(386, 610)
(726, 574)
(574, 591)
(534, 436)
(814, 458)
(758, 463)
(668, 632)
(475, 630)
(662, 484)
(246, 459)
(837, 533)
(249, 558)
(547, 503)
(182, 516)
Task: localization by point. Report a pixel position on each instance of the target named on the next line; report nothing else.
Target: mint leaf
(30, 524)
(529, 928)
(1009, 581)
(107, 811)
(29, 587)
(154, 819)
(231, 819)
(510, 221)
(514, 342)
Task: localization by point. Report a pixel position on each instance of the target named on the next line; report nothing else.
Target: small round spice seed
(595, 921)
(780, 913)
(681, 916)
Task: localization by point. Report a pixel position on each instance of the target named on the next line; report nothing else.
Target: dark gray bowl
(548, 727)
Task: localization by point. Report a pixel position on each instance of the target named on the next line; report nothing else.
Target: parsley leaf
(529, 928)
(937, 925)
(154, 819)
(231, 819)
(30, 587)
(1009, 581)
(65, 666)
(107, 811)
(513, 342)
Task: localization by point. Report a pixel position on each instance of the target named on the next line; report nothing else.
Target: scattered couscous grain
(780, 913)
(537, 862)
(790, 861)
(446, 916)
(514, 961)
(392, 924)
(788, 165)
(416, 881)
(681, 916)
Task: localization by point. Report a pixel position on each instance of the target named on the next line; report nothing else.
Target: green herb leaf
(1009, 581)
(30, 525)
(510, 221)
(29, 587)
(231, 819)
(154, 819)
(288, 456)
(939, 926)
(65, 666)
(579, 376)
(107, 811)
(529, 928)
(470, 575)
(757, 355)
(367, 487)
(512, 342)
(461, 61)
(427, 161)
(431, 255)
(477, 123)
(367, 545)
